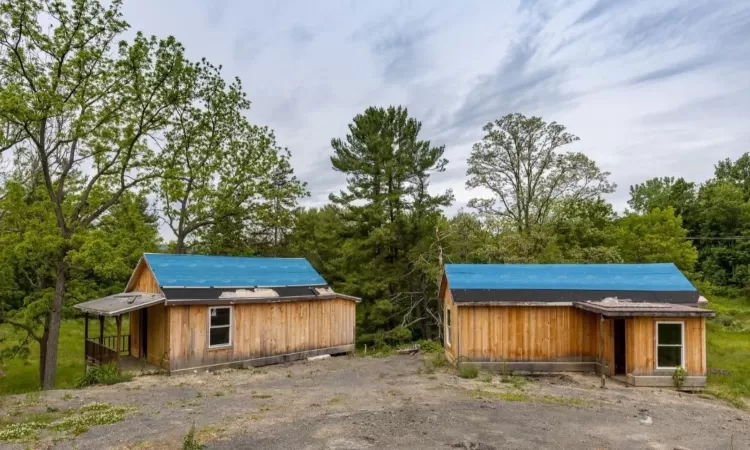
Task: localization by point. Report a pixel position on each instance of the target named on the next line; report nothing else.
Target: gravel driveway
(369, 403)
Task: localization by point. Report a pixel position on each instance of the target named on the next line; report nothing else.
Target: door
(620, 347)
(144, 333)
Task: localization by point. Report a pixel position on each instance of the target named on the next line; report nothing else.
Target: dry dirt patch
(354, 402)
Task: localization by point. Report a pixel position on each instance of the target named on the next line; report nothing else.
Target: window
(219, 326)
(448, 327)
(670, 344)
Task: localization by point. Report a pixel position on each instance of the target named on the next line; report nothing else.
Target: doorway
(620, 347)
(143, 329)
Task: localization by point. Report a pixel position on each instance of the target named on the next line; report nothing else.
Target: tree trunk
(55, 319)
(43, 351)
(179, 246)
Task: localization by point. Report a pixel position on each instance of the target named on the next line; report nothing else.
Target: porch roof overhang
(115, 305)
(622, 308)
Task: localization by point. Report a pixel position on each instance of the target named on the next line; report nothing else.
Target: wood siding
(533, 333)
(143, 280)
(260, 330)
(157, 344)
(450, 350)
(640, 345)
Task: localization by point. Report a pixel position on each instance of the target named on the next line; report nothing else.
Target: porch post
(101, 330)
(85, 339)
(601, 347)
(118, 319)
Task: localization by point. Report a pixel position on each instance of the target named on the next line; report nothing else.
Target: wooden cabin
(194, 312)
(636, 322)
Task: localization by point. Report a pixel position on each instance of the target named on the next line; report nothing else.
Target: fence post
(118, 344)
(85, 340)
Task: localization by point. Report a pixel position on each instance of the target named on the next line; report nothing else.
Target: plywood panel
(640, 341)
(157, 344)
(261, 330)
(135, 334)
(520, 333)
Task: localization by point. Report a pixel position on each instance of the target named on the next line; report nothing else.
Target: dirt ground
(369, 403)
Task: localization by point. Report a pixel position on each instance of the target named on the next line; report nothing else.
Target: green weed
(468, 370)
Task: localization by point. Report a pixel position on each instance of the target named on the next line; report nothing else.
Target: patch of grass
(335, 400)
(218, 394)
(105, 374)
(22, 374)
(262, 396)
(433, 362)
(486, 377)
(468, 370)
(190, 441)
(68, 396)
(728, 345)
(79, 421)
(520, 396)
(69, 422)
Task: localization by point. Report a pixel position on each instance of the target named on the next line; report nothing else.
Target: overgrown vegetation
(516, 395)
(190, 441)
(728, 344)
(679, 376)
(468, 370)
(104, 374)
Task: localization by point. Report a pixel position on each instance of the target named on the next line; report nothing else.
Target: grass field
(728, 337)
(23, 375)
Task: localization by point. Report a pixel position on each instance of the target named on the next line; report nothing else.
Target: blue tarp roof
(234, 271)
(589, 277)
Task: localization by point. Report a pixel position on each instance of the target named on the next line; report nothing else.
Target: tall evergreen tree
(387, 210)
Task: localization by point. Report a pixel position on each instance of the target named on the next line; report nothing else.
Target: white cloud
(651, 88)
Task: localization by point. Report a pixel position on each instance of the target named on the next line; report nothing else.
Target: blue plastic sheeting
(231, 271)
(593, 277)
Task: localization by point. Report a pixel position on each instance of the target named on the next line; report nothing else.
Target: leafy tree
(100, 260)
(584, 232)
(81, 115)
(667, 192)
(518, 161)
(736, 172)
(724, 217)
(216, 166)
(657, 236)
(386, 212)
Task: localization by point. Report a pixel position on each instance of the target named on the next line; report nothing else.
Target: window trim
(448, 326)
(682, 344)
(230, 326)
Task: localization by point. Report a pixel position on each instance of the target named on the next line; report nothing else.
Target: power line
(718, 238)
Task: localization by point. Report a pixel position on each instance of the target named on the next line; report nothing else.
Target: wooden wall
(640, 345)
(157, 344)
(143, 280)
(450, 350)
(260, 330)
(533, 333)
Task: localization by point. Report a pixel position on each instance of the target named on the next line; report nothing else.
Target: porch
(117, 348)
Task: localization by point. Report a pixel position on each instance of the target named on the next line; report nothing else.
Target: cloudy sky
(652, 88)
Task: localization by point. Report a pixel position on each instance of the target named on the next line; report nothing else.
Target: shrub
(104, 374)
(428, 346)
(679, 376)
(434, 361)
(468, 370)
(190, 442)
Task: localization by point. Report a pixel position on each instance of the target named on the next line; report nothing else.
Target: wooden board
(260, 330)
(157, 345)
(531, 333)
(135, 334)
(450, 350)
(640, 345)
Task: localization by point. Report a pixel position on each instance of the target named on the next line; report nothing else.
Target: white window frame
(231, 322)
(656, 344)
(448, 325)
